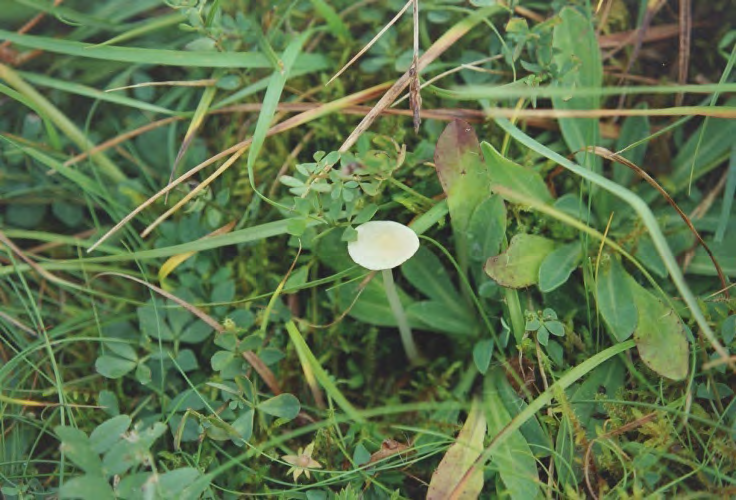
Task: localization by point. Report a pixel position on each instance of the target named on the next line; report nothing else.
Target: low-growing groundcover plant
(181, 180)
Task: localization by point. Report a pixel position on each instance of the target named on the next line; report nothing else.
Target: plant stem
(403, 322)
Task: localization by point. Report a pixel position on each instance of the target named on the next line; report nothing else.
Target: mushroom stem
(403, 322)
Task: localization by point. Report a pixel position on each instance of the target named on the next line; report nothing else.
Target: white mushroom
(382, 245)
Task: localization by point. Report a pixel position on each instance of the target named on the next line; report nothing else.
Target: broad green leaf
(87, 487)
(77, 447)
(435, 316)
(557, 267)
(513, 176)
(728, 329)
(170, 484)
(647, 254)
(131, 486)
(513, 459)
(518, 266)
(283, 406)
(244, 424)
(482, 353)
(372, 306)
(113, 366)
(487, 229)
(578, 57)
(427, 274)
(109, 432)
(608, 377)
(464, 178)
(616, 300)
(459, 457)
(660, 335)
(632, 130)
(127, 453)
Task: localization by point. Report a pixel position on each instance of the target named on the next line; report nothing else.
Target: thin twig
(415, 89)
(372, 42)
(437, 49)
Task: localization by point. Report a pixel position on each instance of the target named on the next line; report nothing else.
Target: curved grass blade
(647, 217)
(137, 55)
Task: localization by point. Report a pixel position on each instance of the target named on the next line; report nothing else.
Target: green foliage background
(555, 293)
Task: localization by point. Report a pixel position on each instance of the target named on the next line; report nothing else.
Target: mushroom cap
(383, 244)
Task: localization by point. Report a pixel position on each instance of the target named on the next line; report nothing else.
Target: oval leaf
(578, 57)
(109, 432)
(113, 367)
(463, 176)
(518, 266)
(513, 176)
(660, 335)
(487, 229)
(482, 353)
(282, 406)
(513, 459)
(437, 317)
(558, 266)
(616, 301)
(87, 487)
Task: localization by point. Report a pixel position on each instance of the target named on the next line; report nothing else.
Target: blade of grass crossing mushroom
(647, 217)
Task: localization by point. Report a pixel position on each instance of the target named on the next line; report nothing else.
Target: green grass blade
(307, 357)
(164, 57)
(86, 91)
(61, 121)
(271, 102)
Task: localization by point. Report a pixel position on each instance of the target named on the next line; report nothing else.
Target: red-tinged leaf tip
(457, 140)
